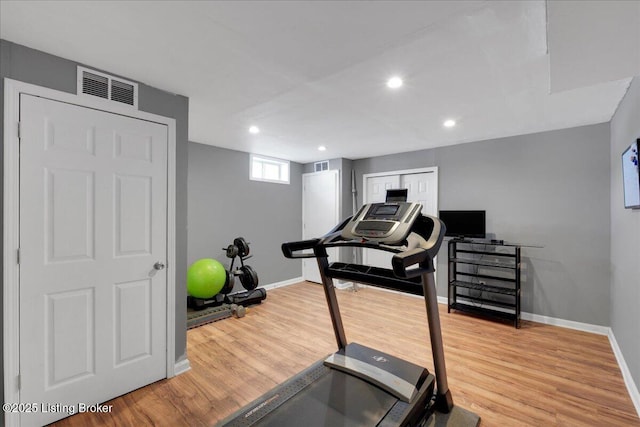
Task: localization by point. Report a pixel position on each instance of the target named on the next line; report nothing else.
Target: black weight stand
(248, 276)
(246, 273)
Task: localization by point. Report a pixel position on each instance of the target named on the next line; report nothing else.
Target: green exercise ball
(205, 278)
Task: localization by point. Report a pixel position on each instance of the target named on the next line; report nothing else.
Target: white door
(93, 221)
(320, 213)
(377, 187)
(422, 188)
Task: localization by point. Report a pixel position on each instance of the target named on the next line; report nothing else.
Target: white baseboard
(554, 321)
(569, 324)
(181, 367)
(345, 285)
(283, 283)
(338, 284)
(626, 374)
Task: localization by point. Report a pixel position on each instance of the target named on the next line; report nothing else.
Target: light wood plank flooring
(537, 375)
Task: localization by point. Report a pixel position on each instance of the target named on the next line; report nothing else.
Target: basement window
(269, 169)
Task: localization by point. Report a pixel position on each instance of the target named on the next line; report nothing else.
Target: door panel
(321, 212)
(69, 202)
(93, 221)
(421, 188)
(133, 215)
(132, 321)
(69, 329)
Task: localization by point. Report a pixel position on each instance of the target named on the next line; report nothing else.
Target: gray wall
(31, 66)
(548, 188)
(625, 237)
(224, 204)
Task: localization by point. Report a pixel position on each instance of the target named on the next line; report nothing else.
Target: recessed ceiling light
(322, 148)
(254, 130)
(449, 123)
(394, 82)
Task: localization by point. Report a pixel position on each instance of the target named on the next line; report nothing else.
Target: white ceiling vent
(96, 84)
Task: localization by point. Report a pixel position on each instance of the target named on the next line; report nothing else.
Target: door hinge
(19, 130)
(18, 256)
(18, 382)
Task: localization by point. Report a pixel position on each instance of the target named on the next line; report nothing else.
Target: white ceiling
(313, 73)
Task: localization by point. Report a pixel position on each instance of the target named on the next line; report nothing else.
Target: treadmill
(358, 385)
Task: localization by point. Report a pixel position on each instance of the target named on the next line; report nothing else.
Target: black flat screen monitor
(631, 176)
(464, 223)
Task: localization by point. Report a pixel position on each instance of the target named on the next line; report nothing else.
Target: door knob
(158, 265)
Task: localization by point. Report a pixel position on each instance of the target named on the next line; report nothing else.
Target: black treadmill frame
(412, 272)
(418, 280)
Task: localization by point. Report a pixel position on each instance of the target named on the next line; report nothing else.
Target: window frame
(281, 163)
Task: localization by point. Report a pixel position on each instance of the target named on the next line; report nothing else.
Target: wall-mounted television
(631, 176)
(470, 224)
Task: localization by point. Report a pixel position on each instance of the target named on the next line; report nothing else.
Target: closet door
(93, 224)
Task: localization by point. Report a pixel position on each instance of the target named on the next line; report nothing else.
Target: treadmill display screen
(388, 223)
(386, 210)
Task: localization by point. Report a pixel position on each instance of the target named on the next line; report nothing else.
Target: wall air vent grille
(321, 166)
(96, 84)
(122, 92)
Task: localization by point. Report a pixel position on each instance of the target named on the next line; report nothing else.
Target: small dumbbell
(238, 310)
(231, 251)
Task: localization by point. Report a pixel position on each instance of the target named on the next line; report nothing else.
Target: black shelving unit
(484, 279)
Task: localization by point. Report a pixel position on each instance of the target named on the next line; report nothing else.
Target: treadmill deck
(321, 396)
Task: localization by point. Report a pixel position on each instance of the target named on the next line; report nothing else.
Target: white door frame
(366, 176)
(11, 212)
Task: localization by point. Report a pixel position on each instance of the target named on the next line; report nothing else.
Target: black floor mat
(197, 318)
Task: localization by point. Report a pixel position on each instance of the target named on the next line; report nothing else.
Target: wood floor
(537, 375)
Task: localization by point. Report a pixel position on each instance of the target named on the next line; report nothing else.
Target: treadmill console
(387, 223)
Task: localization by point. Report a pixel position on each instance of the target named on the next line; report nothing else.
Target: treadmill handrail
(428, 234)
(363, 244)
(402, 262)
(289, 248)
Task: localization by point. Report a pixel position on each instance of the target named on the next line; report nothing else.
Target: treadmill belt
(319, 397)
(337, 399)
